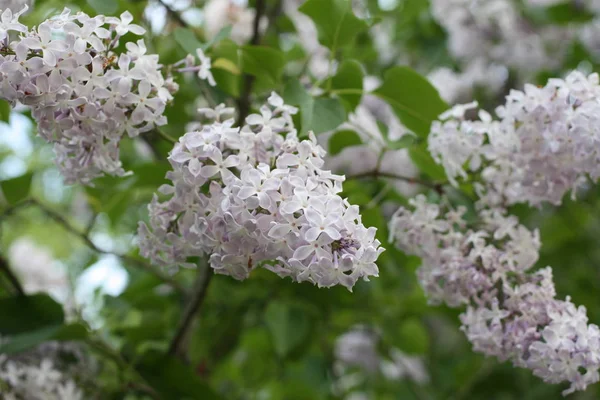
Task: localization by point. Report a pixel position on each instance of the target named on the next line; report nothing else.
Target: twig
(438, 187)
(58, 218)
(174, 14)
(165, 136)
(179, 342)
(244, 100)
(124, 367)
(11, 276)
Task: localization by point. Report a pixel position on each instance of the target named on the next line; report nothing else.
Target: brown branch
(437, 186)
(244, 100)
(174, 14)
(180, 341)
(58, 218)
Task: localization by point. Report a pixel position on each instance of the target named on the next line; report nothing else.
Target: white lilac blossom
(219, 14)
(543, 143)
(83, 95)
(496, 31)
(41, 380)
(455, 86)
(14, 5)
(319, 64)
(257, 196)
(37, 270)
(512, 311)
(360, 348)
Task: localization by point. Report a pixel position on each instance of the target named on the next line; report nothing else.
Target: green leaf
(228, 79)
(289, 326)
(150, 174)
(263, 62)
(413, 98)
(373, 217)
(173, 379)
(224, 33)
(317, 114)
(342, 139)
(413, 337)
(423, 160)
(27, 340)
(5, 110)
(566, 13)
(327, 114)
(295, 94)
(106, 7)
(402, 143)
(187, 39)
(335, 21)
(348, 83)
(16, 189)
(29, 313)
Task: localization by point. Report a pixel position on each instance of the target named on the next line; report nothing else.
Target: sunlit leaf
(335, 21)
(413, 98)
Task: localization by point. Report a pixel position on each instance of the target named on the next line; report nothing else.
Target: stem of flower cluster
(180, 342)
(438, 187)
(244, 100)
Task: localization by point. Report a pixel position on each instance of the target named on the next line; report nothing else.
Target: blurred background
(268, 338)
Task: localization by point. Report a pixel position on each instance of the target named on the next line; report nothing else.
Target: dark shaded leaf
(27, 340)
(263, 62)
(20, 314)
(349, 83)
(16, 189)
(288, 324)
(173, 379)
(342, 139)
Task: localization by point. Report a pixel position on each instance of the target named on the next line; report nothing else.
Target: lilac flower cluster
(543, 144)
(257, 196)
(511, 311)
(22, 380)
(83, 95)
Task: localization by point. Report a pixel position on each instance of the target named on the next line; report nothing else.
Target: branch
(89, 243)
(437, 186)
(244, 100)
(11, 276)
(180, 340)
(174, 14)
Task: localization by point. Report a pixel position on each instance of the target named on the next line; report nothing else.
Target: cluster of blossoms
(511, 310)
(257, 196)
(83, 94)
(222, 13)
(543, 144)
(484, 35)
(497, 31)
(37, 270)
(455, 86)
(27, 378)
(359, 348)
